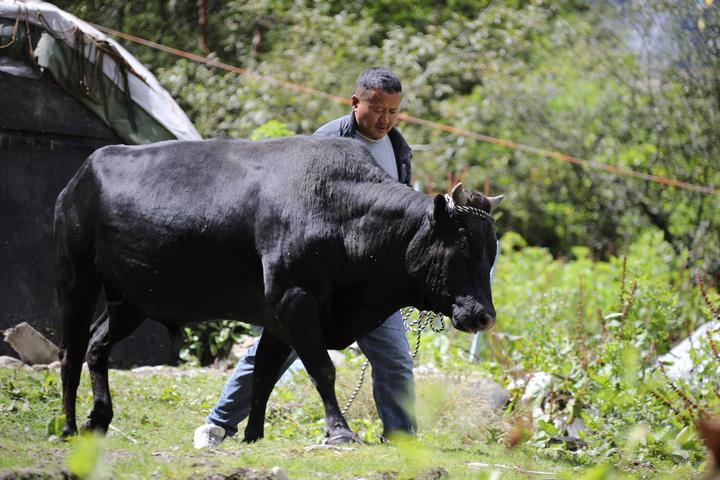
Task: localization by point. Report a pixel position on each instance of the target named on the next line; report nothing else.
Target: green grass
(156, 414)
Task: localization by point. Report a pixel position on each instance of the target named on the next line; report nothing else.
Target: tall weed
(596, 328)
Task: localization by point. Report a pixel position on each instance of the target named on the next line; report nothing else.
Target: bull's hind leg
(78, 290)
(271, 355)
(121, 320)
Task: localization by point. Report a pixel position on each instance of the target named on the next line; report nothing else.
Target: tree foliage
(596, 80)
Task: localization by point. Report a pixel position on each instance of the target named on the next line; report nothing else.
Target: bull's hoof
(94, 426)
(69, 432)
(252, 438)
(341, 437)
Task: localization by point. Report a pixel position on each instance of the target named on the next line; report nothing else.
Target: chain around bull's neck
(468, 209)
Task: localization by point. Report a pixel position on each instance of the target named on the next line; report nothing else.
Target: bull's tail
(78, 286)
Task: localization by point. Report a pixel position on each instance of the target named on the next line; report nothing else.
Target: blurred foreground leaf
(85, 459)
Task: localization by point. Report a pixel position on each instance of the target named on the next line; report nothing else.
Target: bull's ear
(440, 212)
(495, 201)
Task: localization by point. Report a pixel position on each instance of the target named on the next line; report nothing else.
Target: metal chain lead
(425, 318)
(357, 387)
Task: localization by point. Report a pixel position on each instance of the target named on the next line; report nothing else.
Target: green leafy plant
(207, 342)
(271, 129)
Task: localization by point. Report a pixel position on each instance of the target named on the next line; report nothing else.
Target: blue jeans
(386, 348)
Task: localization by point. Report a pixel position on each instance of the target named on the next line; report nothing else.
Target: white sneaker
(208, 436)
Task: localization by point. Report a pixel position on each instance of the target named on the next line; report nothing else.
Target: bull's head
(452, 255)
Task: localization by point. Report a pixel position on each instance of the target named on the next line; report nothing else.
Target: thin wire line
(224, 66)
(621, 171)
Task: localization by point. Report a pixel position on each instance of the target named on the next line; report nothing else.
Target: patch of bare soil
(239, 474)
(385, 476)
(435, 473)
(33, 474)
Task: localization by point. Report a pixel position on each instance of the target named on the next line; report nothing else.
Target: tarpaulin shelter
(66, 89)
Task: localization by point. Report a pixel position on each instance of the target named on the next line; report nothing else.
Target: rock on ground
(31, 345)
(10, 362)
(495, 395)
(682, 364)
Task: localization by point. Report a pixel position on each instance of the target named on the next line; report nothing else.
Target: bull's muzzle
(473, 319)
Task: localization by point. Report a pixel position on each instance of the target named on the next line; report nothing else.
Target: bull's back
(173, 228)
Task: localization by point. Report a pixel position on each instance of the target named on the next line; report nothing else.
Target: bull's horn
(495, 201)
(458, 195)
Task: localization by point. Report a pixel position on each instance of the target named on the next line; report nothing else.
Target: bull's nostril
(488, 321)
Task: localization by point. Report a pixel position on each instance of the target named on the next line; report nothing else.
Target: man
(375, 107)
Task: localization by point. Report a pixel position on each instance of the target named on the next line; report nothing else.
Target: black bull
(307, 237)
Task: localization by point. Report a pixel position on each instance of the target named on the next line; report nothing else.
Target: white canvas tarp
(125, 95)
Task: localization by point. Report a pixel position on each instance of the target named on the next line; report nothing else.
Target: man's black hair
(377, 78)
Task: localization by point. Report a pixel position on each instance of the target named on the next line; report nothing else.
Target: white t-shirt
(383, 153)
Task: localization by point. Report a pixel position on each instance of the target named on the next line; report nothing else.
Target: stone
(31, 345)
(495, 395)
(680, 359)
(278, 473)
(537, 386)
(148, 369)
(10, 362)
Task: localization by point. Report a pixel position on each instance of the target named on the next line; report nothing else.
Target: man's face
(376, 112)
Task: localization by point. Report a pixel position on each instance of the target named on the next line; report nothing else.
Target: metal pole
(479, 340)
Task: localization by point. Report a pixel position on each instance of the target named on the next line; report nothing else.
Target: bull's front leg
(298, 313)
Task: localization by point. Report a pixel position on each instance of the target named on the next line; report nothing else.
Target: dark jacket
(347, 127)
